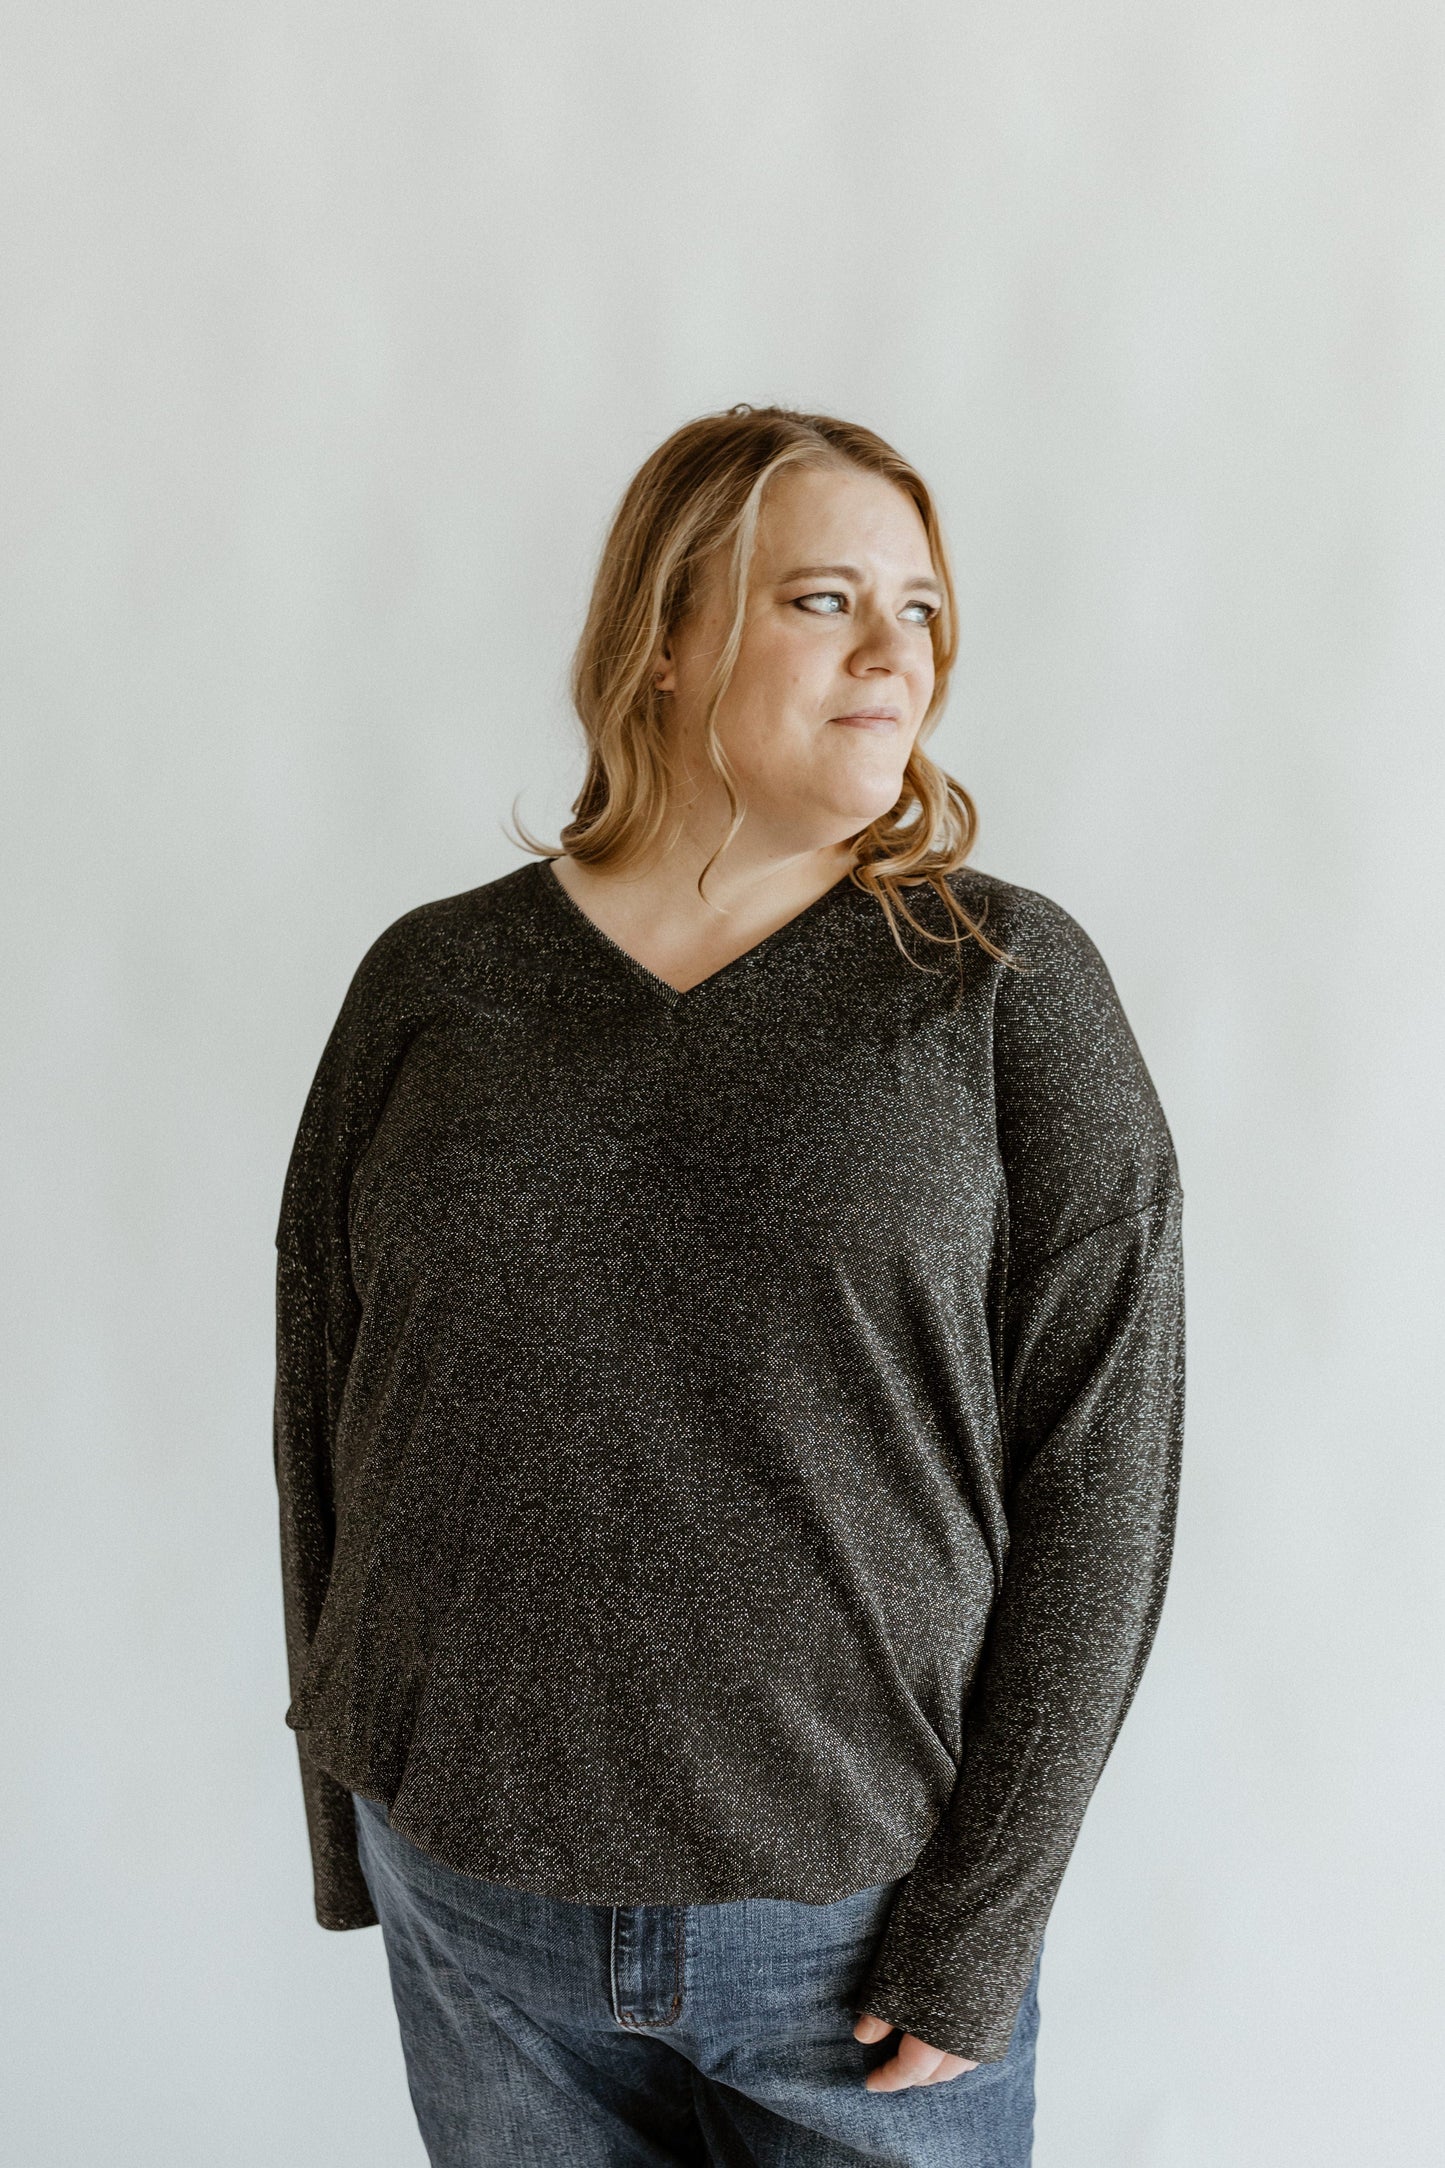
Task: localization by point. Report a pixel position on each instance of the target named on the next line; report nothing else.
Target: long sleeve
(1091, 1397)
(307, 1381)
(317, 1317)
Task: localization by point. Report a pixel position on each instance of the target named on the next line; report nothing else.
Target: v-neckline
(546, 870)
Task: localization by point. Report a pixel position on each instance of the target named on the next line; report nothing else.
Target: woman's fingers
(950, 2066)
(916, 2063)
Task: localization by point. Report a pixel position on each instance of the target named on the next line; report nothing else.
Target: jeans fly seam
(634, 2024)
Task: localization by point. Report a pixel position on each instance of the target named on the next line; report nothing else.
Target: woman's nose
(880, 646)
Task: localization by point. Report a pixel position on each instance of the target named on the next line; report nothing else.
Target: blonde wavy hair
(701, 493)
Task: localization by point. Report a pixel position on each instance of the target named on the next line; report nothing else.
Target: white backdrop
(332, 334)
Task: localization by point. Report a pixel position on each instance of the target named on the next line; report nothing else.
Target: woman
(730, 1386)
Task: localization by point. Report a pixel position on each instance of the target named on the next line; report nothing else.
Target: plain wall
(331, 336)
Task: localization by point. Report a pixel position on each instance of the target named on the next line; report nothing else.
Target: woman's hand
(916, 2063)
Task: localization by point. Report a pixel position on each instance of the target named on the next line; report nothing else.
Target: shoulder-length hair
(701, 493)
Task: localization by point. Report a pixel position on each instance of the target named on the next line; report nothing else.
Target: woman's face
(835, 671)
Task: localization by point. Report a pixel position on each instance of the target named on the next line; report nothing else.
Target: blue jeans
(544, 2034)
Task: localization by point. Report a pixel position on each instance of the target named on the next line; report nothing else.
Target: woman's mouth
(869, 718)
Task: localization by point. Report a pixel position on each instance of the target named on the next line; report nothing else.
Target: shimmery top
(728, 1441)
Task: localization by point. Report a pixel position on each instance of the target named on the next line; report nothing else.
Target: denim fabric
(539, 2033)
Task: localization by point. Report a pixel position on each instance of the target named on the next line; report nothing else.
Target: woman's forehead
(831, 517)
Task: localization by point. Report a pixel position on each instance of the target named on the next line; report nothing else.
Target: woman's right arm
(317, 1317)
(305, 1398)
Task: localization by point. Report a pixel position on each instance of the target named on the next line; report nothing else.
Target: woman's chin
(860, 807)
(839, 807)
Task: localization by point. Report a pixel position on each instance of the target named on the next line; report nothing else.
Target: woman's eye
(829, 603)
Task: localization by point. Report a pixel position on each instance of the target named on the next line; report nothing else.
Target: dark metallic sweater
(728, 1441)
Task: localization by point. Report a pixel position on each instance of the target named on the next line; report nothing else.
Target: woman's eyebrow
(851, 572)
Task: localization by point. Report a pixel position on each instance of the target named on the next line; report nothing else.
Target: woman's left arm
(1091, 1396)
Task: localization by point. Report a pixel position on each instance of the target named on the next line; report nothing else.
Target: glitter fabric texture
(728, 1442)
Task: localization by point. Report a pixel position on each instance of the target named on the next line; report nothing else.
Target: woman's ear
(664, 677)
